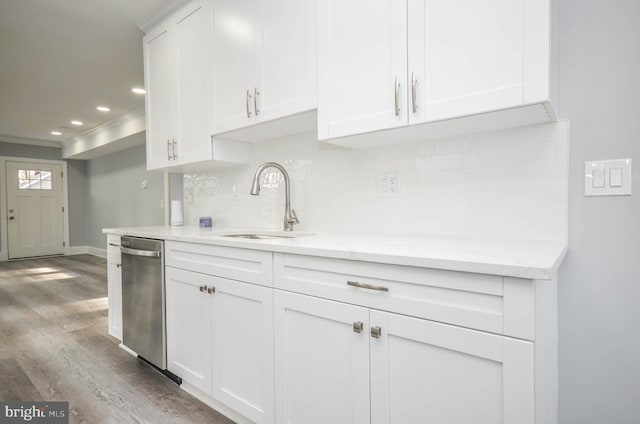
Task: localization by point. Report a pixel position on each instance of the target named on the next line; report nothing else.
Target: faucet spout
(290, 218)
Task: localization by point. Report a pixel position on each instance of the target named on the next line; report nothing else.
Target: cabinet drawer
(113, 244)
(252, 266)
(484, 302)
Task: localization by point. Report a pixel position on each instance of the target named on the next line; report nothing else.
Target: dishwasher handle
(137, 252)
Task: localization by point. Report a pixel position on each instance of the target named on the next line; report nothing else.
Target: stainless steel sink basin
(266, 235)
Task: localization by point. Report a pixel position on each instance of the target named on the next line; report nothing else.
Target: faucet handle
(293, 219)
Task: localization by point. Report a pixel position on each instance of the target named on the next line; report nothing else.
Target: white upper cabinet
(233, 80)
(362, 58)
(177, 59)
(425, 61)
(193, 66)
(160, 97)
(264, 65)
(470, 56)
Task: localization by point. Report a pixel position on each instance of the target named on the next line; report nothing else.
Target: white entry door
(34, 209)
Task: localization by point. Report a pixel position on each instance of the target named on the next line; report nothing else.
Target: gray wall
(114, 196)
(28, 151)
(599, 292)
(78, 218)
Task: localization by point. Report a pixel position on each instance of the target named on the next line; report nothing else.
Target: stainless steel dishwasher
(143, 299)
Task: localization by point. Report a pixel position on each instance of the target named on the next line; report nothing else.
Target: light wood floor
(54, 346)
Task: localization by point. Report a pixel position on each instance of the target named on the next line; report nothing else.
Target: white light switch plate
(607, 178)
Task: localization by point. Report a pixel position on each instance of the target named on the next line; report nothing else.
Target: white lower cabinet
(114, 286)
(189, 324)
(341, 363)
(220, 340)
(423, 371)
(322, 366)
(319, 340)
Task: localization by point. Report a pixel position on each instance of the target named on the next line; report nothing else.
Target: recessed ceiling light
(76, 122)
(138, 90)
(56, 133)
(103, 109)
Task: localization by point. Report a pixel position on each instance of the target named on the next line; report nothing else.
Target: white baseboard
(72, 250)
(85, 250)
(214, 404)
(76, 250)
(97, 252)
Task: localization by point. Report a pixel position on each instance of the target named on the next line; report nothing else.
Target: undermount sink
(266, 235)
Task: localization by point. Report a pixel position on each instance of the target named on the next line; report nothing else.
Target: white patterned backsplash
(508, 184)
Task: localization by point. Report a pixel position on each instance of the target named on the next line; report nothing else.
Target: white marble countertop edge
(510, 258)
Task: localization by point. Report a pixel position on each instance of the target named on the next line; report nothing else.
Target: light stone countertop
(512, 258)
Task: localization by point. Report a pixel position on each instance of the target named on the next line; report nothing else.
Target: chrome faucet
(290, 218)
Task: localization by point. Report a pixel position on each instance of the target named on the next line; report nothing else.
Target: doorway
(34, 209)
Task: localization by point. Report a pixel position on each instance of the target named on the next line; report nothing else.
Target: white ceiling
(59, 59)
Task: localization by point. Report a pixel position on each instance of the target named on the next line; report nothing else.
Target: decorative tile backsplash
(506, 184)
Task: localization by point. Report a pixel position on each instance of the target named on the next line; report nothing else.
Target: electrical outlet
(388, 185)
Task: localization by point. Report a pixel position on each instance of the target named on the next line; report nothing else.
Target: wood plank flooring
(54, 346)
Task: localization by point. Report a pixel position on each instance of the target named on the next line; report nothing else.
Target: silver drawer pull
(358, 326)
(114, 245)
(376, 332)
(203, 288)
(211, 290)
(367, 286)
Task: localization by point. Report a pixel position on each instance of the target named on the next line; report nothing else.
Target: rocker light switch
(607, 178)
(615, 177)
(598, 180)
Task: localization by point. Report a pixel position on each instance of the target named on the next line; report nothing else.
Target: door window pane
(34, 179)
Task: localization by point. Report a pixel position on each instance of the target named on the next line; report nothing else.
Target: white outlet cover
(388, 185)
(598, 181)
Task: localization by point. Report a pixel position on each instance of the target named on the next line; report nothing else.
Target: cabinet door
(467, 56)
(193, 50)
(362, 63)
(114, 293)
(286, 58)
(189, 327)
(422, 371)
(322, 365)
(233, 61)
(243, 348)
(160, 98)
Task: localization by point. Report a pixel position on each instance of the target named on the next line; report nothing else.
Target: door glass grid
(34, 179)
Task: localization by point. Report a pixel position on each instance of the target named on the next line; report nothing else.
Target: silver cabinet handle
(255, 100)
(118, 265)
(137, 252)
(248, 109)
(169, 149)
(203, 288)
(367, 286)
(175, 155)
(358, 327)
(414, 83)
(376, 332)
(114, 245)
(397, 96)
(211, 290)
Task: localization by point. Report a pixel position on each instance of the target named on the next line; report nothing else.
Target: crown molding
(111, 136)
(162, 15)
